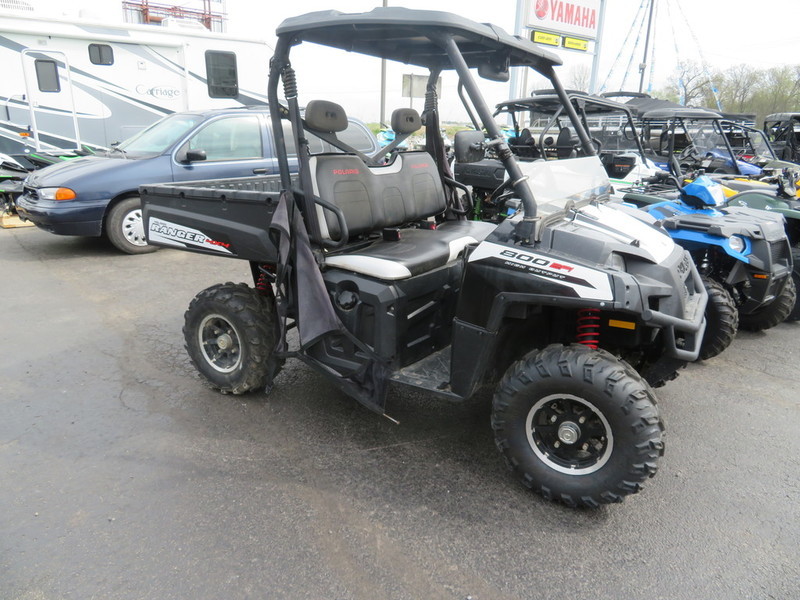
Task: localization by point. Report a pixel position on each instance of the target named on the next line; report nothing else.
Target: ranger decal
(171, 234)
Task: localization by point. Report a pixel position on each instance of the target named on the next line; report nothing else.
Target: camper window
(223, 81)
(101, 54)
(47, 75)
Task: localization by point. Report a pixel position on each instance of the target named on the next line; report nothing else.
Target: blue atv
(743, 255)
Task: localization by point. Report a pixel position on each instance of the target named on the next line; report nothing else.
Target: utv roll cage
(430, 39)
(586, 107)
(667, 132)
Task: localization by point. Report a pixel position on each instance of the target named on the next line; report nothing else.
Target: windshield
(615, 132)
(705, 137)
(160, 136)
(749, 144)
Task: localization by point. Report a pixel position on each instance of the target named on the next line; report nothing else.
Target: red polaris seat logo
(345, 171)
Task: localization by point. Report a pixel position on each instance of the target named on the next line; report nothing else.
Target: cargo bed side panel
(224, 217)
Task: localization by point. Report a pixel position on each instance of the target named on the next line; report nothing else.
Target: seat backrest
(373, 198)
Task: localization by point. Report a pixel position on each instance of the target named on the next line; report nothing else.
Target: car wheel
(577, 425)
(125, 227)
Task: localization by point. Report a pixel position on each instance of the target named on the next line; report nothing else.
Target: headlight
(54, 193)
(616, 261)
(737, 243)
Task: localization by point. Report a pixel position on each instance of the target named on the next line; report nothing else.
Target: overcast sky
(726, 33)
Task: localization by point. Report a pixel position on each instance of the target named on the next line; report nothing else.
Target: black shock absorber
(588, 323)
(289, 82)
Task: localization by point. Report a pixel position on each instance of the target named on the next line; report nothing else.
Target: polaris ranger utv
(387, 282)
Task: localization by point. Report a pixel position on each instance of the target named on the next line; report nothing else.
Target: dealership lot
(124, 476)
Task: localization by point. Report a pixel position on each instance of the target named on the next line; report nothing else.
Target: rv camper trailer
(74, 83)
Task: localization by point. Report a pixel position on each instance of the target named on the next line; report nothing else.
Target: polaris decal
(586, 282)
(164, 232)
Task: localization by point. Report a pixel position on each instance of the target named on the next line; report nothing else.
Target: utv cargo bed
(223, 217)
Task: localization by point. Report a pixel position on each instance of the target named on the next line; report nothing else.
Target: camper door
(49, 95)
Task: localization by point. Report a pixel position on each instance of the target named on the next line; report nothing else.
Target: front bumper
(673, 299)
(63, 217)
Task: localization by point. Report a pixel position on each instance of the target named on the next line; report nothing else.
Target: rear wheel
(125, 227)
(722, 319)
(773, 313)
(577, 425)
(231, 331)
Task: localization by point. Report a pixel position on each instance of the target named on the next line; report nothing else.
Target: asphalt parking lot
(125, 477)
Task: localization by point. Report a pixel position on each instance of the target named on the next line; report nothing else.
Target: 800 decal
(535, 260)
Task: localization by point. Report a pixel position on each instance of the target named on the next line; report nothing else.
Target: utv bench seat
(375, 198)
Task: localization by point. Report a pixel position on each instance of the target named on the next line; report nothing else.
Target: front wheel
(722, 319)
(231, 331)
(795, 314)
(577, 425)
(125, 227)
(773, 313)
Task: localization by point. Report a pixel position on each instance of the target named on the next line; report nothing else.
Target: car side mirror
(469, 146)
(196, 155)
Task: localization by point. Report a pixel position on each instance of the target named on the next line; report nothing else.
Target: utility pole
(643, 64)
(601, 19)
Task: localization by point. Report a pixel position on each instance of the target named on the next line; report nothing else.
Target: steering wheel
(688, 153)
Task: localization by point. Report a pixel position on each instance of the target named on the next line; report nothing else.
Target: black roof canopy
(550, 103)
(681, 112)
(408, 36)
(787, 116)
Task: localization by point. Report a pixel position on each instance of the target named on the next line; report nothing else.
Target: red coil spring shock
(589, 327)
(263, 284)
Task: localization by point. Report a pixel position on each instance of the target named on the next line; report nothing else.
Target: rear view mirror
(495, 68)
(469, 146)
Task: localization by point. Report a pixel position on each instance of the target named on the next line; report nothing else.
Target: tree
(691, 83)
(737, 86)
(579, 78)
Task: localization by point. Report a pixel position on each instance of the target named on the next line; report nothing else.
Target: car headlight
(616, 261)
(56, 193)
(737, 243)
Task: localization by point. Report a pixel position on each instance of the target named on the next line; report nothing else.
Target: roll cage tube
(674, 163)
(467, 107)
(586, 142)
(279, 61)
(716, 124)
(526, 229)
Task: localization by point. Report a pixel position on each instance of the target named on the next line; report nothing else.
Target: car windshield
(160, 136)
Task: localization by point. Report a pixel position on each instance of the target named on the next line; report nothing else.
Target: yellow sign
(576, 44)
(540, 37)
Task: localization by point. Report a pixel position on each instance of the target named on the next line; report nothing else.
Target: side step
(432, 373)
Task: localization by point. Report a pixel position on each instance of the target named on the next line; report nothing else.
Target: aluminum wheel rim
(133, 228)
(555, 421)
(220, 343)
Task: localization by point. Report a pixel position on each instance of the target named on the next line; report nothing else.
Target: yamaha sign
(565, 17)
